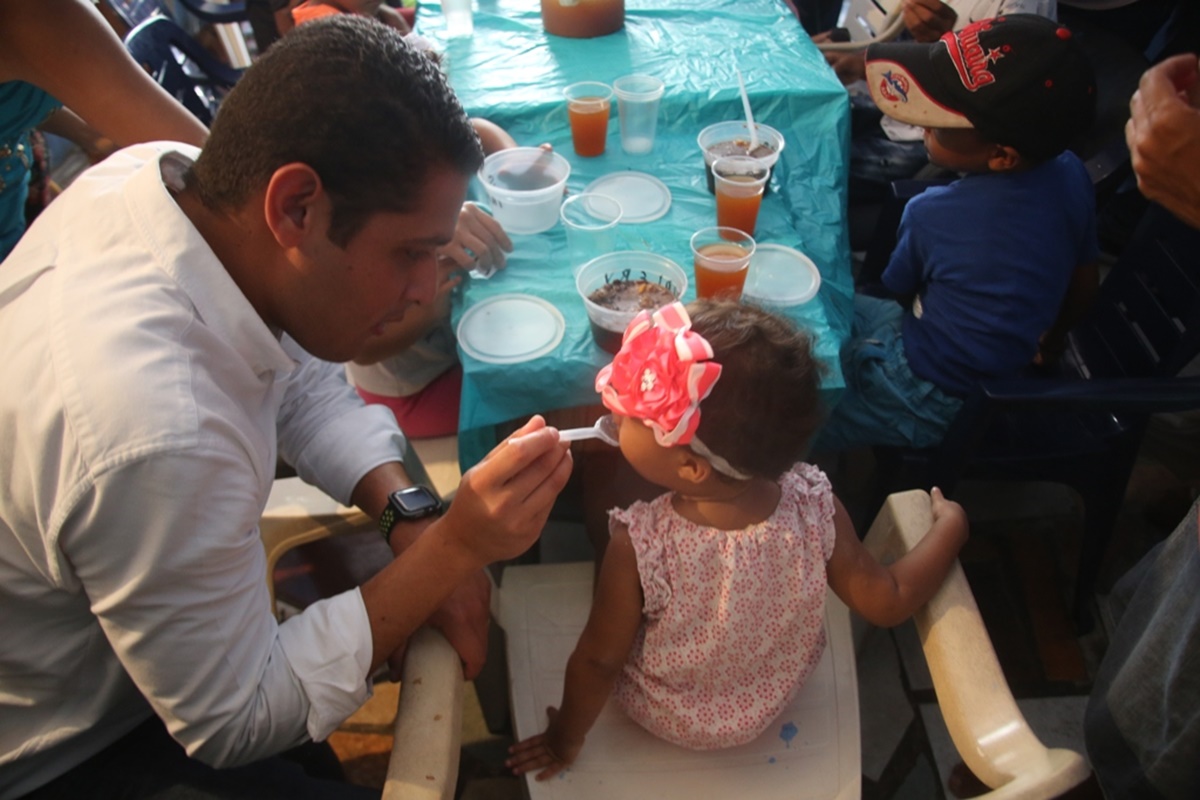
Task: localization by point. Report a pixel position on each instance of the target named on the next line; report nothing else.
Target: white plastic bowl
(525, 187)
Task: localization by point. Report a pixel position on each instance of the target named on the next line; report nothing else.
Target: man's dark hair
(348, 97)
(765, 407)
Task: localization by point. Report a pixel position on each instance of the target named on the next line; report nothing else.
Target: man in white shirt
(156, 326)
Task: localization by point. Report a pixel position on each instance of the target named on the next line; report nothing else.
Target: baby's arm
(889, 595)
(594, 666)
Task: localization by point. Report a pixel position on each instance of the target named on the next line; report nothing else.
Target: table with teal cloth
(513, 73)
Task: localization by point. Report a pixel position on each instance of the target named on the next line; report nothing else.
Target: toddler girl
(708, 612)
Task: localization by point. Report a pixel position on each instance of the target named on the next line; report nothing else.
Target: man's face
(345, 295)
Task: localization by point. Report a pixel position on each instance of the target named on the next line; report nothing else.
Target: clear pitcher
(582, 19)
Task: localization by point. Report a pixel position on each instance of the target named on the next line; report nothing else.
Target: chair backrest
(134, 12)
(870, 20)
(1145, 321)
(217, 13)
(181, 65)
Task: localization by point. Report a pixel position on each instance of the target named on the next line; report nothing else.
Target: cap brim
(905, 85)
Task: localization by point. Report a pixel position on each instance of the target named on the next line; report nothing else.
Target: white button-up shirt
(141, 401)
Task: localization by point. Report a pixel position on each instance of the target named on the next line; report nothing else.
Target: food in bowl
(626, 297)
(615, 286)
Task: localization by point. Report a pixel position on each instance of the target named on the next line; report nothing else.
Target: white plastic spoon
(605, 430)
(749, 115)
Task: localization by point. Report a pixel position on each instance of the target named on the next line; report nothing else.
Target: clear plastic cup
(460, 19)
(589, 105)
(590, 220)
(638, 97)
(721, 258)
(733, 139)
(740, 181)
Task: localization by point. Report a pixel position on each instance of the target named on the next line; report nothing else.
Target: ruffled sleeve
(648, 547)
(814, 498)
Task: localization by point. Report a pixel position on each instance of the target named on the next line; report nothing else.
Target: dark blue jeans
(1142, 725)
(148, 763)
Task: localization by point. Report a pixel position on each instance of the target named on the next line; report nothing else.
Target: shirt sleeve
(168, 552)
(326, 432)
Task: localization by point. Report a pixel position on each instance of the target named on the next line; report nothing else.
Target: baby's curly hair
(766, 406)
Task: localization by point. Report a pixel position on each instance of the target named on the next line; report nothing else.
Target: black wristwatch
(415, 502)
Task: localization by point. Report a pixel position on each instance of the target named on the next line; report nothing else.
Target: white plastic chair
(870, 21)
(813, 749)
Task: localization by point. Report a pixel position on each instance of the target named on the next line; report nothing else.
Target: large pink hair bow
(661, 373)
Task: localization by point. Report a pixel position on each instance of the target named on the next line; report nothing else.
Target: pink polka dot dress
(734, 620)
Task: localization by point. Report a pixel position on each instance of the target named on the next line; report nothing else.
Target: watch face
(416, 501)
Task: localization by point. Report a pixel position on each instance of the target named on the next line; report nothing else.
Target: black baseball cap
(1020, 80)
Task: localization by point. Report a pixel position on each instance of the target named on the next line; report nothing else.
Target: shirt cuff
(329, 649)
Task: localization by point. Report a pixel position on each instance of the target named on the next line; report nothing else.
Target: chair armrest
(1147, 395)
(428, 729)
(298, 513)
(988, 730)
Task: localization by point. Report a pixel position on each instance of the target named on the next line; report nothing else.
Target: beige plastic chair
(870, 21)
(428, 726)
(815, 742)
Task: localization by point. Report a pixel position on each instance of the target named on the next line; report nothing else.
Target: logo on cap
(894, 86)
(969, 57)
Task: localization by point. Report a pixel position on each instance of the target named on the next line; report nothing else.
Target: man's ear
(1004, 159)
(291, 198)
(693, 468)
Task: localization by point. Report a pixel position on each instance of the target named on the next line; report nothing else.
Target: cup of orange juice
(721, 259)
(589, 104)
(740, 181)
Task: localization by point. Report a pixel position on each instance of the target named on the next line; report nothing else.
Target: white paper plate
(781, 276)
(642, 197)
(510, 328)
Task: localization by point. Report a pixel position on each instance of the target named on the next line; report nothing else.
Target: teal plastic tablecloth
(511, 72)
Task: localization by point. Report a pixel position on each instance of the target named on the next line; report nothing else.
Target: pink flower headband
(661, 373)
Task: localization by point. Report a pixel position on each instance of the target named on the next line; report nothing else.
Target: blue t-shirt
(990, 257)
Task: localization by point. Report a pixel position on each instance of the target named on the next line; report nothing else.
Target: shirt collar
(184, 255)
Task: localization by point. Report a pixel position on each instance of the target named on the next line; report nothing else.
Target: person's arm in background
(926, 20)
(391, 17)
(1081, 291)
(492, 137)
(66, 123)
(1163, 134)
(66, 48)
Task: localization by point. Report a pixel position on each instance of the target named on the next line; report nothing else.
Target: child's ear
(1004, 159)
(693, 468)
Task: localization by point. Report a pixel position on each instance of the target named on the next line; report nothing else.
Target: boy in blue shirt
(993, 269)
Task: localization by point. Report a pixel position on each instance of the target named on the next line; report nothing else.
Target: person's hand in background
(1163, 134)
